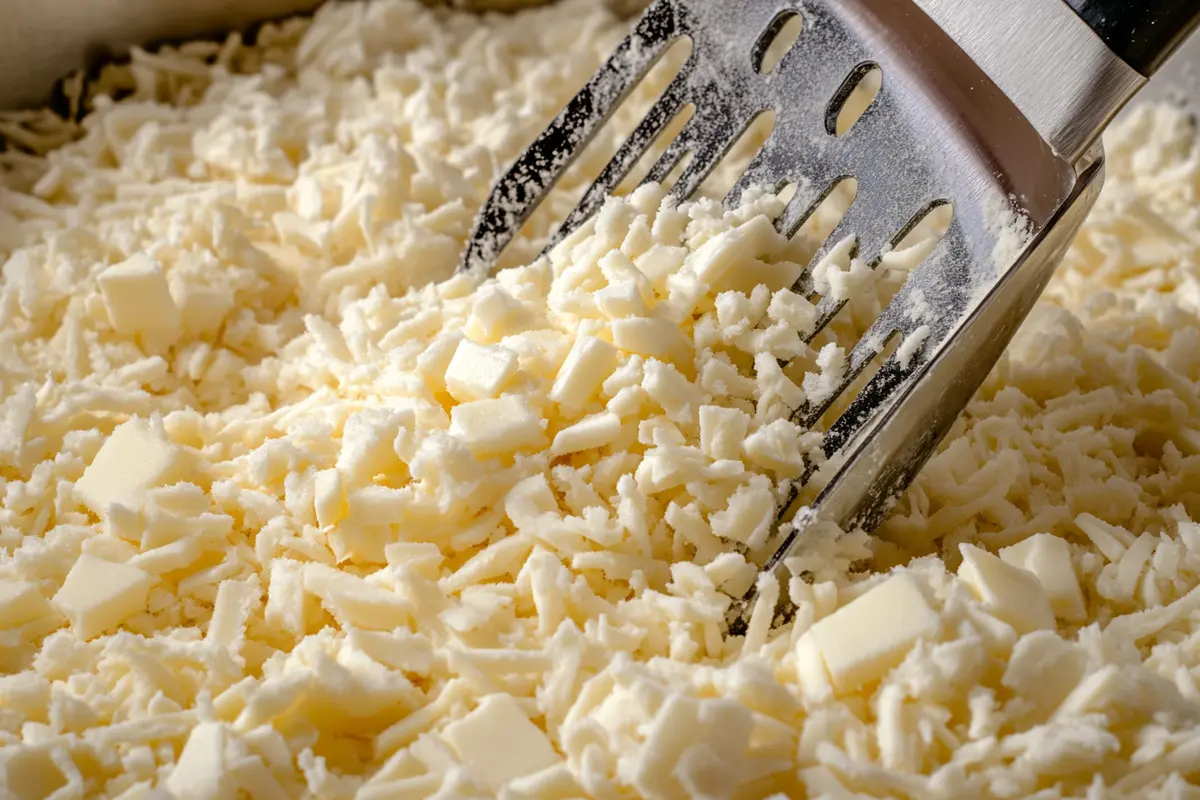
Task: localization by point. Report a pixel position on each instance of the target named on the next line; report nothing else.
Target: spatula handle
(1142, 32)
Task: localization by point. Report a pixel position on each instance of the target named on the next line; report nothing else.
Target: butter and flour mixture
(289, 510)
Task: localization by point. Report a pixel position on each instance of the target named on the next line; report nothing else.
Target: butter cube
(497, 743)
(862, 641)
(99, 595)
(622, 299)
(722, 431)
(492, 427)
(30, 771)
(589, 362)
(21, 602)
(652, 337)
(1012, 594)
(660, 262)
(729, 258)
(139, 303)
(133, 459)
(368, 443)
(203, 309)
(433, 363)
(1043, 669)
(496, 314)
(678, 396)
(479, 371)
(587, 434)
(200, 772)
(716, 256)
(1049, 558)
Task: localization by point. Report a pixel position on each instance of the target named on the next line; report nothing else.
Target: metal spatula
(993, 107)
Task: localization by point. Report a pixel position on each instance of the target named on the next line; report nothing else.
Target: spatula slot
(864, 363)
(927, 227)
(915, 308)
(671, 164)
(640, 172)
(738, 158)
(776, 41)
(816, 220)
(852, 99)
(912, 245)
(671, 178)
(903, 252)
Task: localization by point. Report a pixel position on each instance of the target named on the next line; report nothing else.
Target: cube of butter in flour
(492, 427)
(862, 641)
(660, 262)
(479, 371)
(134, 458)
(590, 432)
(497, 743)
(21, 602)
(200, 773)
(589, 362)
(717, 256)
(99, 595)
(139, 303)
(1048, 557)
(723, 431)
(653, 338)
(1012, 594)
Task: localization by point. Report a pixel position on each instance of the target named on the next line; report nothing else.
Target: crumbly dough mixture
(288, 510)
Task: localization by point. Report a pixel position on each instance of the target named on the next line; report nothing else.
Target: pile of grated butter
(287, 509)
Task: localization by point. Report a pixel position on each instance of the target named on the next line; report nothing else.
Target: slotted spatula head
(940, 131)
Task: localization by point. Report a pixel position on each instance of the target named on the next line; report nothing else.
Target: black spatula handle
(1142, 32)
